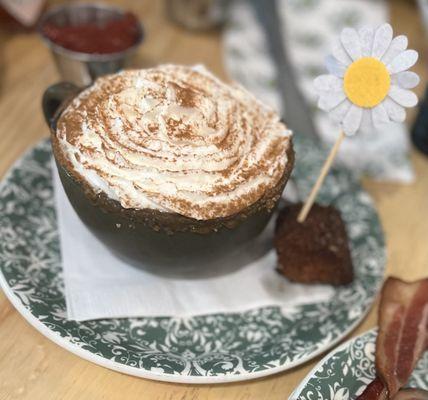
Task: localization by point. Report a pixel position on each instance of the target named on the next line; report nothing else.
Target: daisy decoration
(368, 85)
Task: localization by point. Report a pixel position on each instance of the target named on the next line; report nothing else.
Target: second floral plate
(345, 372)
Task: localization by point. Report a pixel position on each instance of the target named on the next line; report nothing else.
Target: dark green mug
(150, 238)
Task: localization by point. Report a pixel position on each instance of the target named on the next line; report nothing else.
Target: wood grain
(32, 367)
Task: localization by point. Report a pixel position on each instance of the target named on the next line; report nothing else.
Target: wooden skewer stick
(324, 171)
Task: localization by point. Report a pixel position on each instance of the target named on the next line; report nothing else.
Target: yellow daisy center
(366, 82)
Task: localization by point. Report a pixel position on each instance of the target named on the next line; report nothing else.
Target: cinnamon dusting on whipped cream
(174, 139)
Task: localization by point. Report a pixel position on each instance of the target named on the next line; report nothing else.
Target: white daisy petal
(351, 42)
(398, 45)
(379, 116)
(407, 79)
(366, 38)
(341, 55)
(395, 112)
(403, 61)
(328, 83)
(404, 97)
(366, 120)
(382, 40)
(329, 100)
(338, 113)
(352, 121)
(335, 67)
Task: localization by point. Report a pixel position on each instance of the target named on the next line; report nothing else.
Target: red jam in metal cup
(94, 37)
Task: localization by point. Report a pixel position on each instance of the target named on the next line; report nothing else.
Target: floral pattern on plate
(204, 349)
(345, 372)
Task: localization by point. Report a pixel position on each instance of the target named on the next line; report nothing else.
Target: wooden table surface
(31, 366)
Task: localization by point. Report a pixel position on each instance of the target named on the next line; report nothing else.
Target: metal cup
(83, 68)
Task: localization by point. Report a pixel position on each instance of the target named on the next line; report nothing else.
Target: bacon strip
(411, 394)
(374, 391)
(404, 307)
(402, 337)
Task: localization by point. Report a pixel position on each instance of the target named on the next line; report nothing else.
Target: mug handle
(53, 97)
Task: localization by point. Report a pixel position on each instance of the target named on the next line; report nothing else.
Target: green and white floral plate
(346, 371)
(204, 349)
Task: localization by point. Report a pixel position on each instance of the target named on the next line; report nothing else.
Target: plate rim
(152, 375)
(143, 373)
(330, 354)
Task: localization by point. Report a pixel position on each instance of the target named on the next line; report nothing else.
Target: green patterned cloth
(310, 29)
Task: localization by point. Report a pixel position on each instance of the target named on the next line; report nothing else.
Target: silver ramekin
(83, 68)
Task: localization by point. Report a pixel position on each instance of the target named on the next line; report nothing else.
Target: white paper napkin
(99, 285)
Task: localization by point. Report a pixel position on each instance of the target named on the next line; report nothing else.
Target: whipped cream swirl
(174, 139)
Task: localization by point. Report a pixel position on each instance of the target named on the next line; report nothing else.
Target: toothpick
(324, 171)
